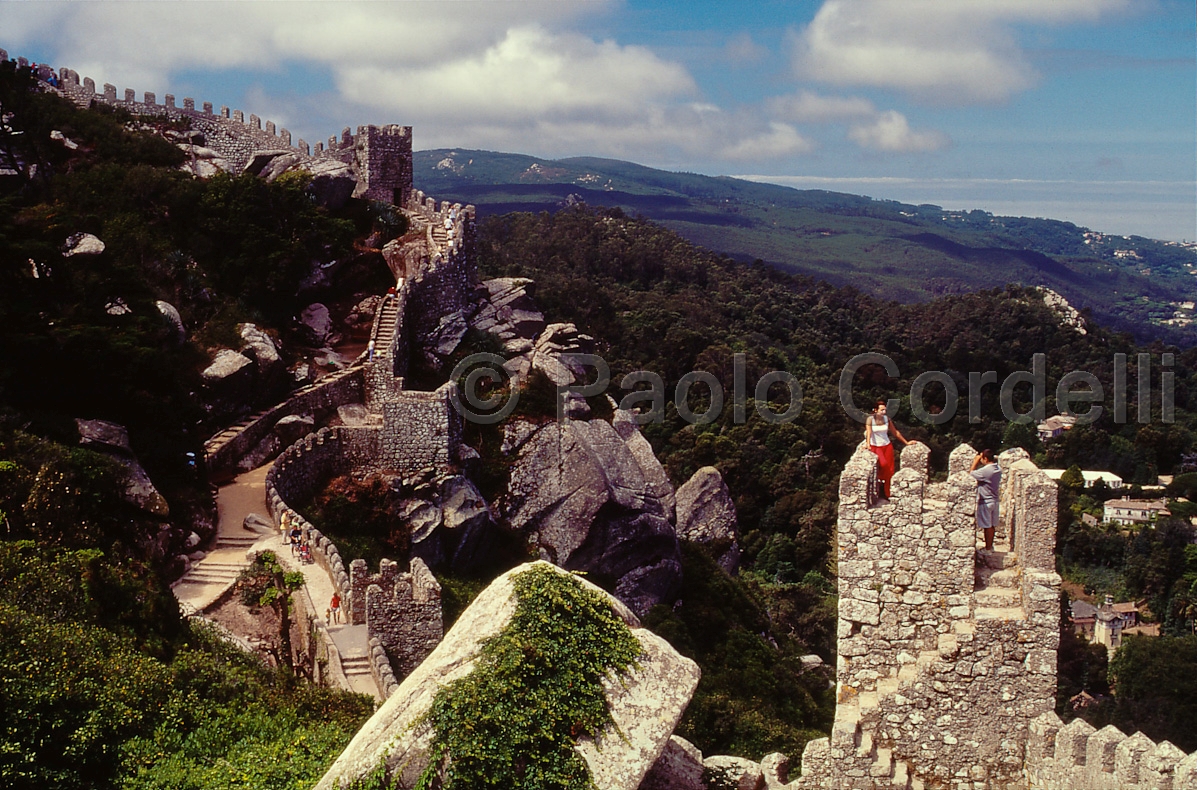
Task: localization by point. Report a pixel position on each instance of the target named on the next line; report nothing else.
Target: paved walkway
(210, 578)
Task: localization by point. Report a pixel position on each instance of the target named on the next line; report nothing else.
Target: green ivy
(536, 688)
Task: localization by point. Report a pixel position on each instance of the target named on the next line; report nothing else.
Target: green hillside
(888, 249)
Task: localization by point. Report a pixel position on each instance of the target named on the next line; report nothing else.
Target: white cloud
(781, 140)
(963, 51)
(492, 74)
(808, 107)
(890, 132)
(529, 74)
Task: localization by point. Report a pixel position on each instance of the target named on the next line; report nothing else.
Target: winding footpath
(209, 579)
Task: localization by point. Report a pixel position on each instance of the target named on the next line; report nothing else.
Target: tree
(268, 583)
(1155, 688)
(1072, 478)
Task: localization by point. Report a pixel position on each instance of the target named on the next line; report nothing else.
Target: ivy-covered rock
(545, 681)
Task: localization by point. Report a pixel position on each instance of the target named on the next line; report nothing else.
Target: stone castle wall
(302, 470)
(222, 451)
(381, 156)
(937, 682)
(1067, 757)
(420, 430)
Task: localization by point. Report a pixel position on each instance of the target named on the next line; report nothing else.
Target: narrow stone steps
(988, 577)
(205, 576)
(998, 597)
(998, 560)
(999, 613)
(237, 541)
(355, 665)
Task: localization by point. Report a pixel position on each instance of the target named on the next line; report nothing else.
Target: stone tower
(946, 653)
(383, 161)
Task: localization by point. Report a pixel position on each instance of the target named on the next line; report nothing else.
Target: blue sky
(1083, 110)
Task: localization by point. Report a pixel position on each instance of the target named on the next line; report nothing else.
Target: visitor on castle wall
(878, 428)
(988, 475)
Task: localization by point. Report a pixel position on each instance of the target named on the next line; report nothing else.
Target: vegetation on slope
(534, 690)
(103, 684)
(888, 249)
(656, 303)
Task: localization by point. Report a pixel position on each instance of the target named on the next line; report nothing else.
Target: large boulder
(584, 501)
(508, 309)
(171, 314)
(259, 346)
(316, 323)
(104, 436)
(467, 524)
(332, 182)
(645, 704)
(706, 514)
(229, 382)
(82, 244)
(112, 439)
(678, 768)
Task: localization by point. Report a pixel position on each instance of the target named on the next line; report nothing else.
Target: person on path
(878, 428)
(988, 474)
(334, 606)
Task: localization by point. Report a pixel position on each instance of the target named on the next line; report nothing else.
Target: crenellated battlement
(946, 651)
(401, 610)
(380, 156)
(1064, 757)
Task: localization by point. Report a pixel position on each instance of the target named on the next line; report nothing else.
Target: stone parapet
(225, 449)
(946, 654)
(405, 617)
(302, 469)
(1064, 757)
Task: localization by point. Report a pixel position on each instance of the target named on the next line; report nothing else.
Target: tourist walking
(334, 608)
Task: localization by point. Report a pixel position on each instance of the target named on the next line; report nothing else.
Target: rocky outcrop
(228, 382)
(678, 768)
(82, 244)
(259, 347)
(706, 514)
(645, 704)
(508, 310)
(586, 502)
(316, 323)
(171, 314)
(112, 439)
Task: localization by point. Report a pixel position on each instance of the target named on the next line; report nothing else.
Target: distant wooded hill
(892, 250)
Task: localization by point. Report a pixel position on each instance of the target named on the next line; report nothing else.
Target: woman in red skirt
(877, 433)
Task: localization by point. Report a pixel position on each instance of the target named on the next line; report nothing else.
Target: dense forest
(105, 685)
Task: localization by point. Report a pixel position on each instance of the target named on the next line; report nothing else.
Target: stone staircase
(243, 542)
(211, 571)
(996, 588)
(355, 666)
(385, 332)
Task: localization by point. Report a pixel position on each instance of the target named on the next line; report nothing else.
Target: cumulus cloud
(890, 132)
(505, 75)
(964, 51)
(808, 107)
(781, 140)
(528, 74)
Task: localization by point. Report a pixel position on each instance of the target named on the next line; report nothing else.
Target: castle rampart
(380, 156)
(1072, 756)
(946, 654)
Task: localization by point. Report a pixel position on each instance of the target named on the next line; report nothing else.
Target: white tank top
(879, 436)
